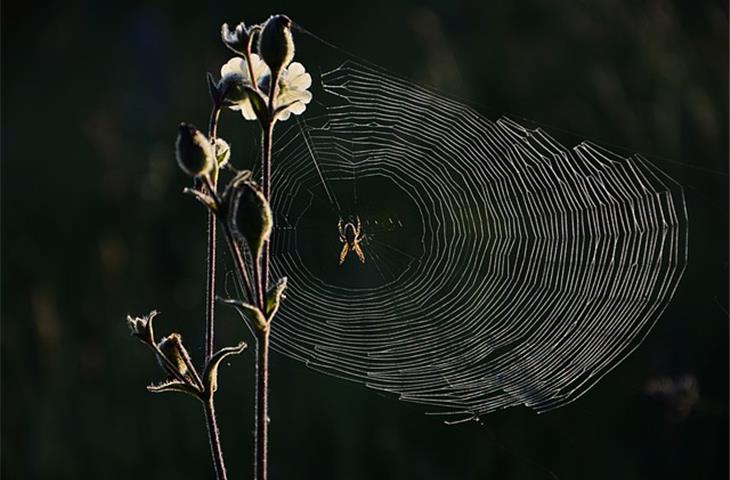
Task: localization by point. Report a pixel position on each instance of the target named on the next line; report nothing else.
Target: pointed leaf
(210, 376)
(174, 386)
(259, 104)
(274, 297)
(252, 314)
(203, 198)
(213, 88)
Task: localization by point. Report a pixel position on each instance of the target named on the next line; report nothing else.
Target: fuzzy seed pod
(276, 45)
(193, 151)
(172, 348)
(250, 215)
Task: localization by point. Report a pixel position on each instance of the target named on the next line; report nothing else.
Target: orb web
(501, 268)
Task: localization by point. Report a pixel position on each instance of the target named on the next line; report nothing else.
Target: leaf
(203, 198)
(259, 104)
(175, 386)
(274, 297)
(248, 311)
(222, 152)
(212, 88)
(210, 375)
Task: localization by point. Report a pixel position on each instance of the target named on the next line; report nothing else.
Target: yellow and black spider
(351, 237)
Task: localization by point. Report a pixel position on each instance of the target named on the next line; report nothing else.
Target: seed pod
(141, 327)
(250, 215)
(172, 348)
(276, 45)
(193, 151)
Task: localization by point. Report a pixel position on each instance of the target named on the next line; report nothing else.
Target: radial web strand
(501, 268)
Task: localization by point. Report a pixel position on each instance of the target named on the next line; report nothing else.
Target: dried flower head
(141, 327)
(176, 355)
(239, 39)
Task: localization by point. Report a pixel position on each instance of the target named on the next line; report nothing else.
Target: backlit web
(501, 268)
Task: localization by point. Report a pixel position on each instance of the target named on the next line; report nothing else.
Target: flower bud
(172, 348)
(276, 45)
(193, 151)
(250, 215)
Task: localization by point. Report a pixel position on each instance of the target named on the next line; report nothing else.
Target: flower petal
(247, 110)
(236, 65)
(297, 78)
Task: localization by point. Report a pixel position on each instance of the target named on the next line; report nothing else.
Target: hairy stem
(214, 438)
(266, 187)
(239, 261)
(262, 404)
(211, 257)
(262, 344)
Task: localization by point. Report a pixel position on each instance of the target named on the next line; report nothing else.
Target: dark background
(94, 226)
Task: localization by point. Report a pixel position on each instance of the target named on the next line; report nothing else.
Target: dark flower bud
(193, 151)
(250, 215)
(238, 40)
(276, 46)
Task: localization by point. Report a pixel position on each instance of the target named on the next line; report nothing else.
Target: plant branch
(262, 403)
(262, 344)
(212, 240)
(238, 260)
(214, 438)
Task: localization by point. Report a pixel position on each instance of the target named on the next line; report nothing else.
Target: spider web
(501, 268)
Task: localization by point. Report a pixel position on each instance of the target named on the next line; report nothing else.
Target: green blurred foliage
(94, 226)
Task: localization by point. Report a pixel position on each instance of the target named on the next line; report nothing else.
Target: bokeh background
(94, 227)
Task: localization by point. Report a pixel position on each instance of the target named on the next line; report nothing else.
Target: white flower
(292, 95)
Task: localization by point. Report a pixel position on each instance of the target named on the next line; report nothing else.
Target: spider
(351, 237)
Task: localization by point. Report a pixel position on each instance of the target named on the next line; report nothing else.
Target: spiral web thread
(532, 272)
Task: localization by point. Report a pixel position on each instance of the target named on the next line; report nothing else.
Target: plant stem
(262, 343)
(262, 404)
(266, 187)
(238, 260)
(211, 257)
(214, 438)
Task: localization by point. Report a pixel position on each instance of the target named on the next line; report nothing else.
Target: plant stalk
(262, 343)
(211, 257)
(266, 187)
(214, 437)
(262, 404)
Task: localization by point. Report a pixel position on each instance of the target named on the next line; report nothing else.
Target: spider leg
(339, 228)
(358, 251)
(344, 252)
(358, 224)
